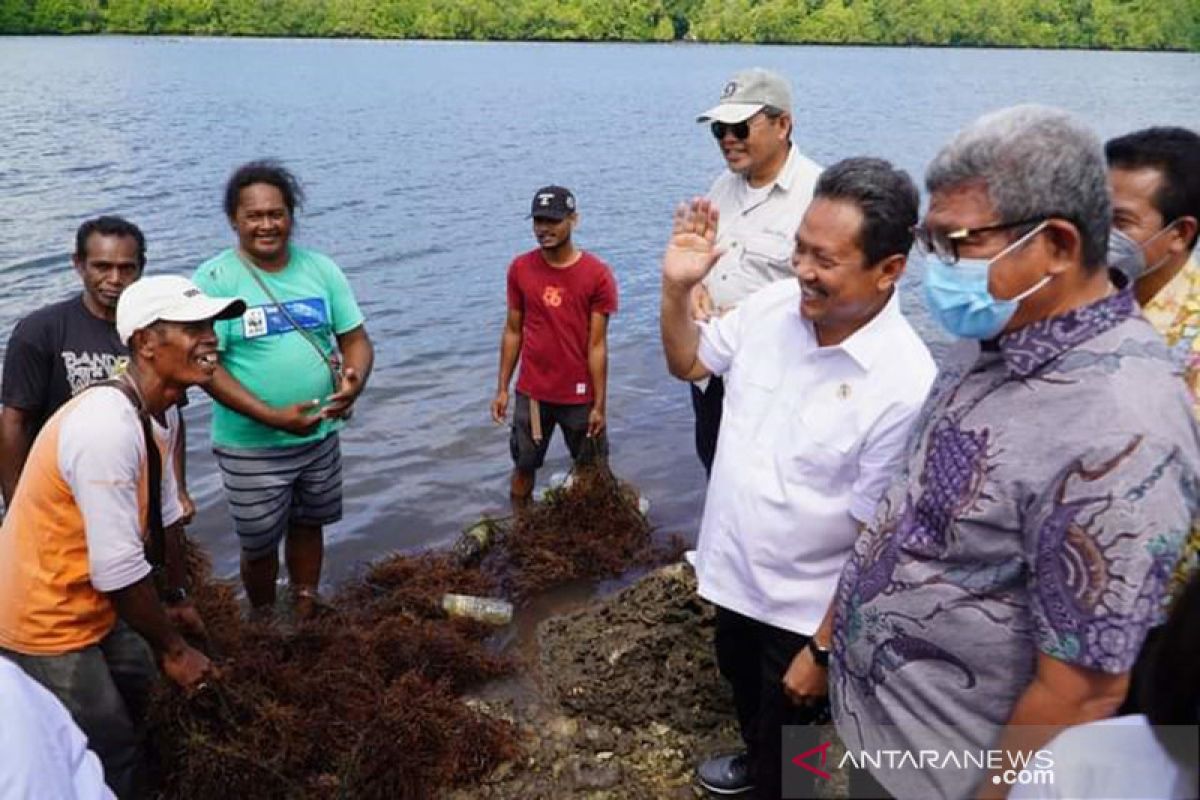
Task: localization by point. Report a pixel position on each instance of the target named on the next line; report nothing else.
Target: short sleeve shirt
(557, 304)
(757, 229)
(77, 524)
(1175, 313)
(54, 353)
(263, 350)
(810, 437)
(1045, 499)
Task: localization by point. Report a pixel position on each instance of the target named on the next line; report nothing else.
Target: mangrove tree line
(1138, 24)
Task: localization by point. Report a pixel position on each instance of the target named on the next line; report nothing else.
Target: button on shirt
(809, 439)
(1044, 501)
(757, 229)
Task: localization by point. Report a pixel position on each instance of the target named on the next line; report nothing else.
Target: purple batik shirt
(1047, 491)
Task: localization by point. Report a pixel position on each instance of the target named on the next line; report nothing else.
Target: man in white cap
(760, 198)
(95, 513)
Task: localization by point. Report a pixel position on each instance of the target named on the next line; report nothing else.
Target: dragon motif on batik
(951, 482)
(1074, 571)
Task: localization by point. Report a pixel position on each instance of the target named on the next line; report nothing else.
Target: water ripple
(419, 159)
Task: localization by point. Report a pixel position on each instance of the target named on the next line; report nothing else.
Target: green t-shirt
(262, 349)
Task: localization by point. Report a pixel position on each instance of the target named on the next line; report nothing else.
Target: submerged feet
(304, 603)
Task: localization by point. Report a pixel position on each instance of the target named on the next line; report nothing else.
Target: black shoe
(726, 775)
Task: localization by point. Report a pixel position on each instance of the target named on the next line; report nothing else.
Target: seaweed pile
(590, 529)
(361, 702)
(366, 700)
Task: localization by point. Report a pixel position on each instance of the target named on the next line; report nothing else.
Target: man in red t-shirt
(559, 299)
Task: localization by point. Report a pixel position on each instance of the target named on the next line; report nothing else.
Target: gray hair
(1034, 162)
(774, 113)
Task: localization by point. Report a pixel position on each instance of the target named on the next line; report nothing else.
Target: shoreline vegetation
(1073, 24)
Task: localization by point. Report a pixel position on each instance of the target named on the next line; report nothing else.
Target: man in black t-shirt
(62, 348)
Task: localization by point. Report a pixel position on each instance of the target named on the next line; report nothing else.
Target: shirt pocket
(767, 255)
(751, 389)
(825, 435)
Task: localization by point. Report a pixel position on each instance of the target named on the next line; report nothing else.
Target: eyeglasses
(740, 130)
(945, 245)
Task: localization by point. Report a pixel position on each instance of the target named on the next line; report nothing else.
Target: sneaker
(726, 775)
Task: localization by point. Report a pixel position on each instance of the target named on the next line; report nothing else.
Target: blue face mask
(958, 297)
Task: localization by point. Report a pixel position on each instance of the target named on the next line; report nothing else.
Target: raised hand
(691, 252)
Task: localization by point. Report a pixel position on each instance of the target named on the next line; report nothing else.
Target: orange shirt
(77, 524)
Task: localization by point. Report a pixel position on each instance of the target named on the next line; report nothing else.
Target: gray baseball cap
(745, 94)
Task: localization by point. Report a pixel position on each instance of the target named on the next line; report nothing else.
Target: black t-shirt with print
(54, 353)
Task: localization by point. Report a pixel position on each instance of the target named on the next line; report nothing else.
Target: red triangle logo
(800, 761)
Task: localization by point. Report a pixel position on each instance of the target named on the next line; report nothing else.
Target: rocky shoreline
(622, 698)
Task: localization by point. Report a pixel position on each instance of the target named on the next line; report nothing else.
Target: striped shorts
(269, 487)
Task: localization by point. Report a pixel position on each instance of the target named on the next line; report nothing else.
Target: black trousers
(707, 407)
(753, 657)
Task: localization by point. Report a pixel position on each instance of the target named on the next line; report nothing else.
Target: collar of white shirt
(865, 344)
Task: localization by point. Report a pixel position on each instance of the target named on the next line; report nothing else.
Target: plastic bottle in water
(482, 609)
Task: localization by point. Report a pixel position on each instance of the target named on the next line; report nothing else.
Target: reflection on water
(419, 159)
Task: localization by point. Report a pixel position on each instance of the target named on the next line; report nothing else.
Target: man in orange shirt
(78, 602)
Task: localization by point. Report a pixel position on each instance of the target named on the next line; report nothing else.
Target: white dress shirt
(757, 229)
(810, 437)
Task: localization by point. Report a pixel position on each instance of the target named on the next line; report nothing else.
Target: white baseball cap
(169, 298)
(746, 93)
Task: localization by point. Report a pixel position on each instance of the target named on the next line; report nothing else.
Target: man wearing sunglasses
(1006, 581)
(760, 198)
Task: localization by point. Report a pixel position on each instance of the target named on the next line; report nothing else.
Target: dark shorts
(270, 487)
(529, 455)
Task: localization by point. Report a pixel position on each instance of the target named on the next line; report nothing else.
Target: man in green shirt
(284, 388)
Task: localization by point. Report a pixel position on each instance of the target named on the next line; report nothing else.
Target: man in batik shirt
(1005, 585)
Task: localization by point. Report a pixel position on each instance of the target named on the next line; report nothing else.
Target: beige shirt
(757, 229)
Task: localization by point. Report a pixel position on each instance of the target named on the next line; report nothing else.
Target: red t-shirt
(558, 304)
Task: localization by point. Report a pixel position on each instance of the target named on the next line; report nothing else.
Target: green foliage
(1122, 24)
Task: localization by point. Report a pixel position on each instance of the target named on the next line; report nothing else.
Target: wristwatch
(819, 654)
(174, 597)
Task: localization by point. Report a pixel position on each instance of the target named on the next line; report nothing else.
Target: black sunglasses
(740, 130)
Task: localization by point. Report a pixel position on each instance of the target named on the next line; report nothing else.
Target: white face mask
(1129, 256)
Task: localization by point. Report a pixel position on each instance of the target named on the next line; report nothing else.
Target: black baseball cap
(552, 202)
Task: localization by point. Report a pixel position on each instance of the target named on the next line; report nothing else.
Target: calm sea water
(419, 160)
